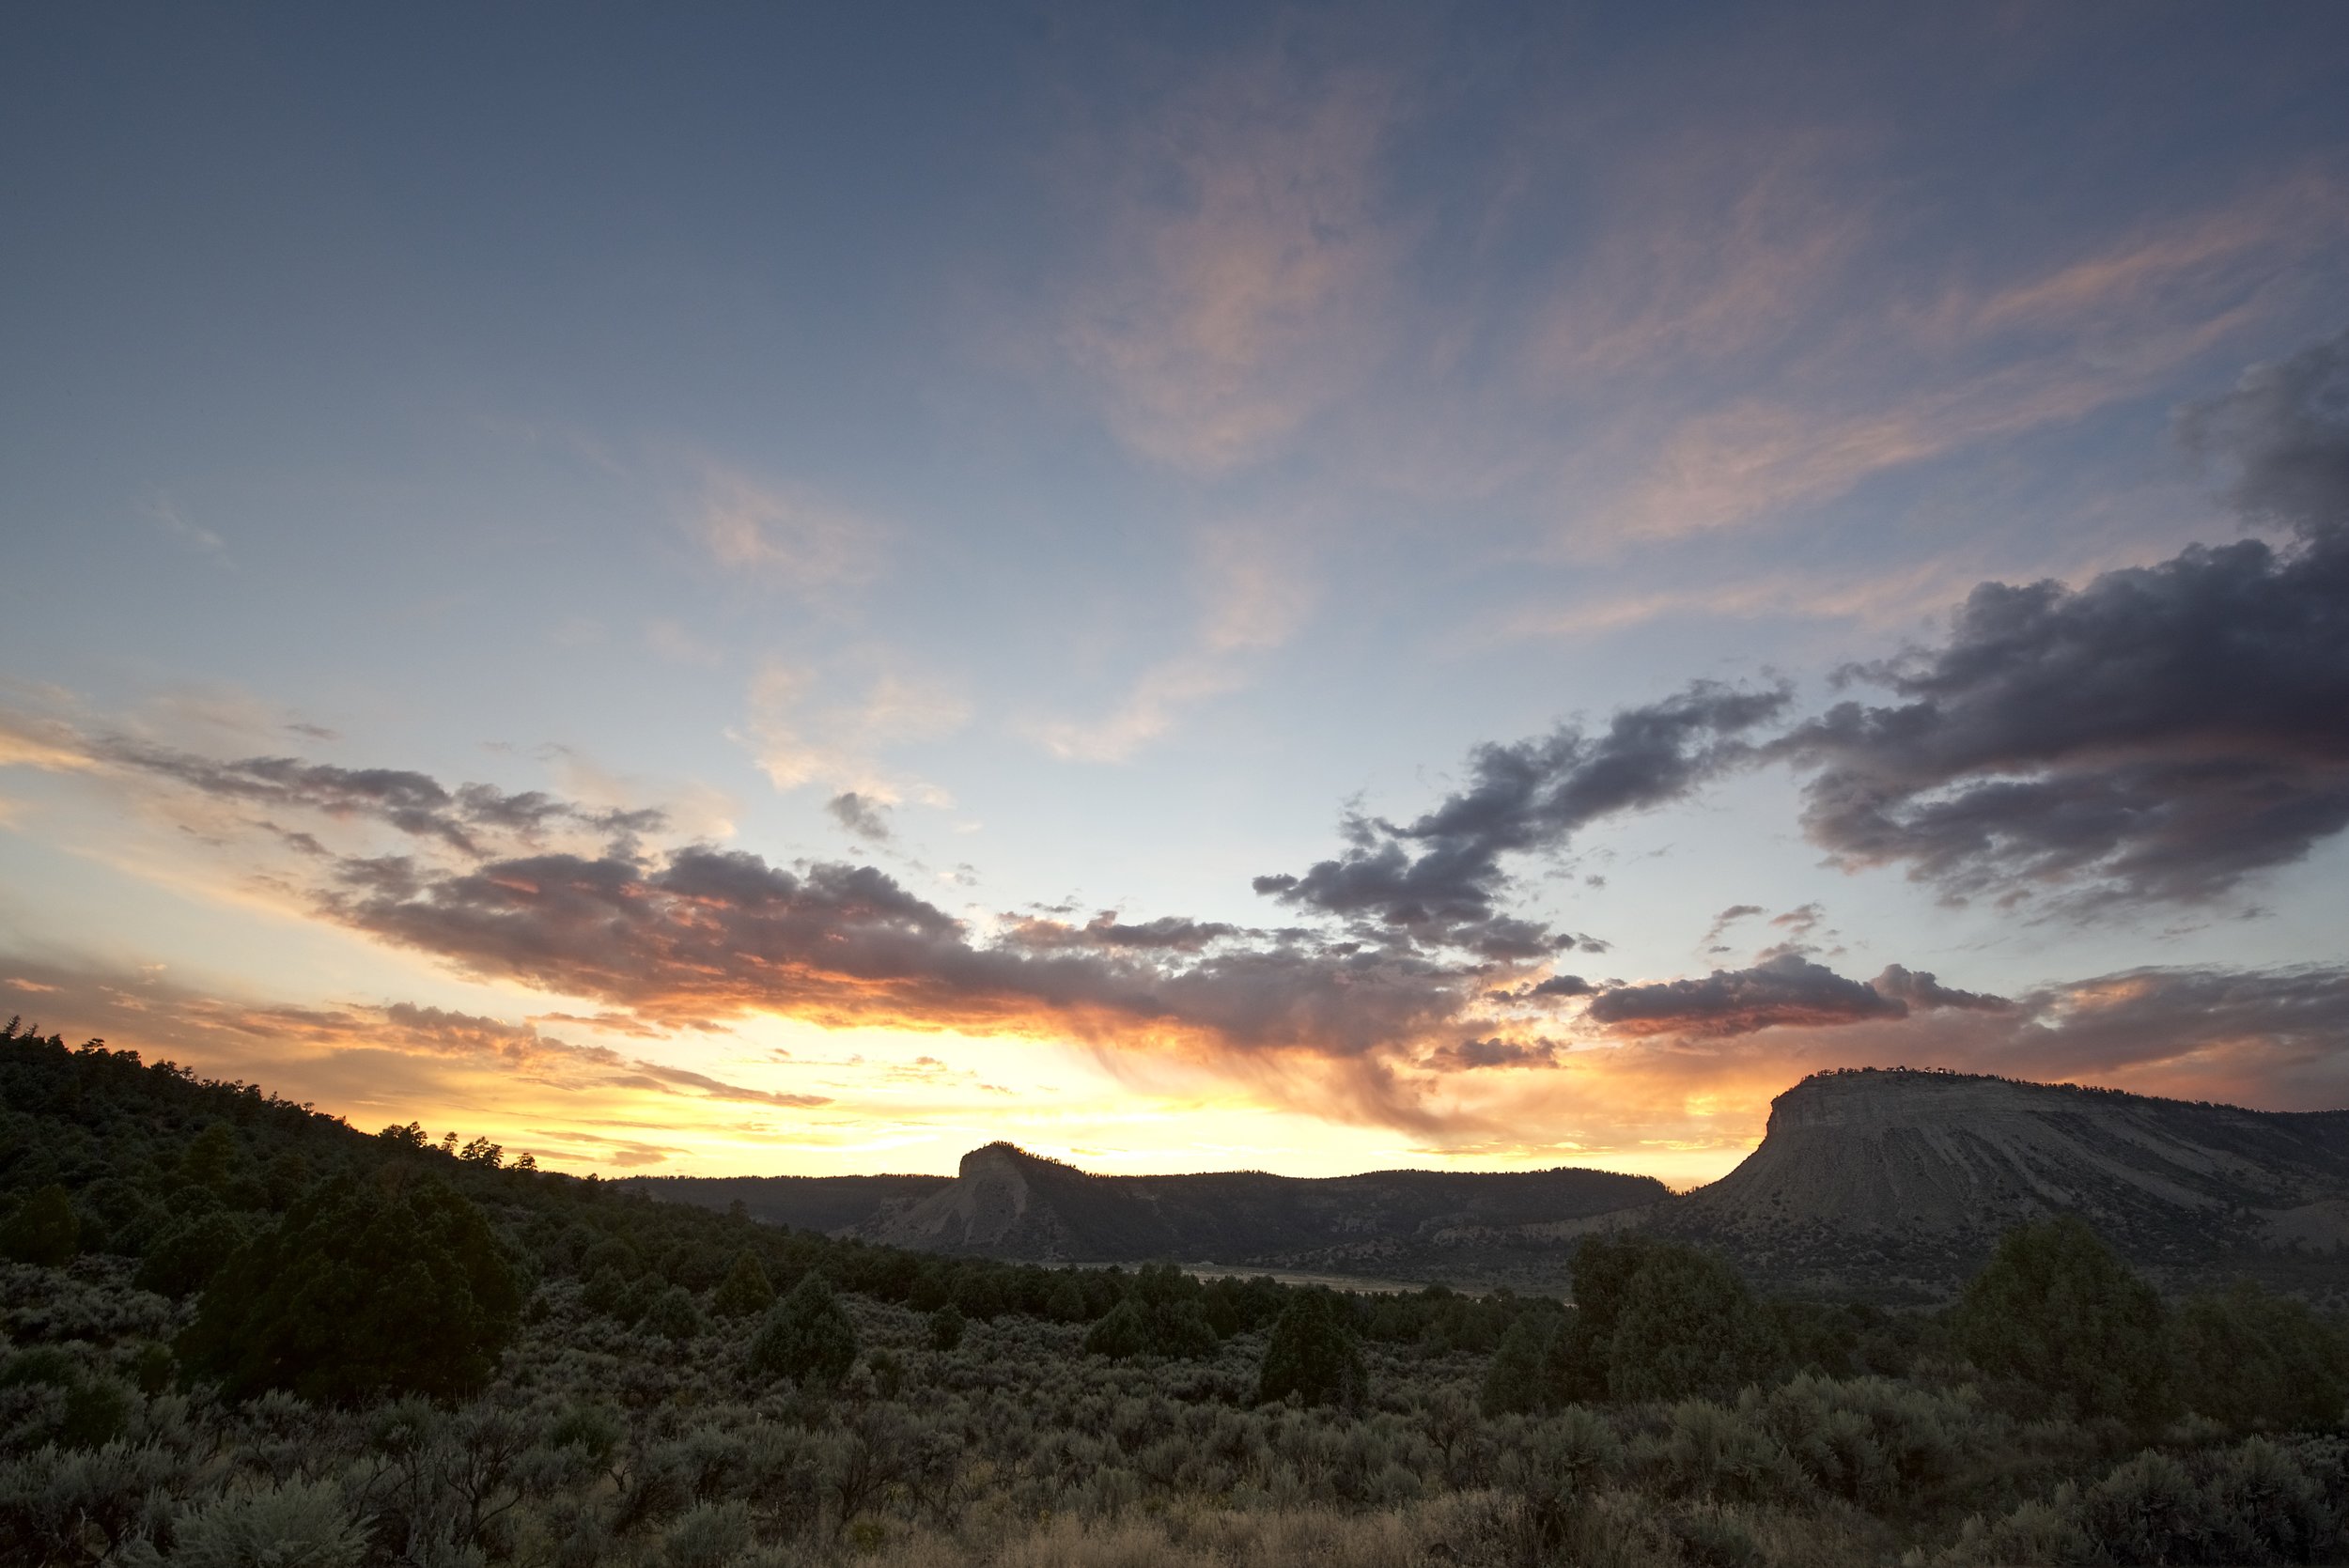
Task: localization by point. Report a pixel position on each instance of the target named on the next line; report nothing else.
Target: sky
(746, 589)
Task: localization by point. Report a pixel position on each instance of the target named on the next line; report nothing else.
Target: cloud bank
(2159, 734)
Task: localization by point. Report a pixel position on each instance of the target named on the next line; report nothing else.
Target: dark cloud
(414, 803)
(1722, 922)
(1468, 1055)
(2281, 429)
(1438, 881)
(2160, 734)
(1921, 992)
(860, 816)
(2279, 1037)
(1168, 933)
(1560, 986)
(2275, 1038)
(1785, 990)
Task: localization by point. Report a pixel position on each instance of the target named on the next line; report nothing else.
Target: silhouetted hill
(1895, 1181)
(1006, 1202)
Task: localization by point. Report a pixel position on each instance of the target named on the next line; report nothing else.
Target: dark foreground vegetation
(241, 1333)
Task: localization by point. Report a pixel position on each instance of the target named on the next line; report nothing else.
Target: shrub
(293, 1526)
(1554, 1466)
(361, 1291)
(88, 1409)
(805, 1337)
(2055, 1308)
(2258, 1502)
(1711, 1536)
(708, 1536)
(1311, 1353)
(1867, 1440)
(596, 1429)
(946, 1326)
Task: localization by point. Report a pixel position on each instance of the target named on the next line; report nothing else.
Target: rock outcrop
(1877, 1178)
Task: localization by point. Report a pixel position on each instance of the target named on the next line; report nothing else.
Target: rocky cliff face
(1865, 1178)
(994, 1208)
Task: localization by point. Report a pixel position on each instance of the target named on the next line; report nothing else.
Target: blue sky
(1074, 460)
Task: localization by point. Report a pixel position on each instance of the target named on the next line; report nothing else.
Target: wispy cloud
(783, 533)
(799, 737)
(674, 643)
(1713, 248)
(1256, 590)
(1244, 262)
(1877, 598)
(173, 519)
(1900, 382)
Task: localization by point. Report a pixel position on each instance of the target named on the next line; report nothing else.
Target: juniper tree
(365, 1288)
(1512, 1379)
(745, 1291)
(1311, 1353)
(2057, 1309)
(805, 1337)
(43, 1230)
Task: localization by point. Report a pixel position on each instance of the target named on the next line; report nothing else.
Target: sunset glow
(1331, 592)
